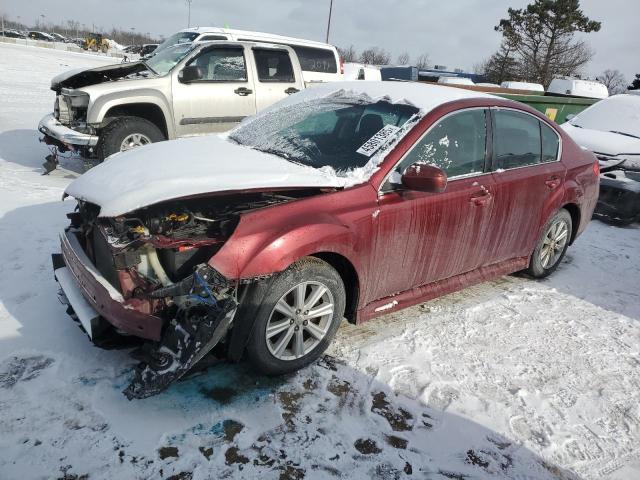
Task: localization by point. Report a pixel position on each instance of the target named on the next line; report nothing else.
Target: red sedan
(343, 201)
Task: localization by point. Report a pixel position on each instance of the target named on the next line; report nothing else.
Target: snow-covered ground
(509, 379)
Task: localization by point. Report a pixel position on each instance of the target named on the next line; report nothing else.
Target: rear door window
(273, 65)
(550, 143)
(517, 140)
(222, 65)
(456, 144)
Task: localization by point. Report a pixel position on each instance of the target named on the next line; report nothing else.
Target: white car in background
(320, 62)
(610, 128)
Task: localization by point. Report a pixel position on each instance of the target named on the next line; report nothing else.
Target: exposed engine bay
(156, 257)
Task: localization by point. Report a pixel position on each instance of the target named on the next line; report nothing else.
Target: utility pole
(189, 17)
(329, 21)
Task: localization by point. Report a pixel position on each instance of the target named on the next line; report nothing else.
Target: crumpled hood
(598, 141)
(81, 77)
(191, 166)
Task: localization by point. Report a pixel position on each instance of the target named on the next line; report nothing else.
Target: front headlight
(75, 98)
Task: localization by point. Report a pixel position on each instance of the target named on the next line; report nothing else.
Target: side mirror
(424, 178)
(571, 116)
(191, 73)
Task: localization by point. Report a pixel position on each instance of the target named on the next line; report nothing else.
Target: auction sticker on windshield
(369, 147)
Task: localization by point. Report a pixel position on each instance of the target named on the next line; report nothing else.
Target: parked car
(188, 89)
(455, 81)
(351, 200)
(59, 38)
(320, 62)
(44, 37)
(148, 49)
(12, 34)
(611, 129)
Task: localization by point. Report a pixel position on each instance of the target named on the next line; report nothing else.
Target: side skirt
(433, 290)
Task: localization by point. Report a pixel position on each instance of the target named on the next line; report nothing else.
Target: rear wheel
(552, 245)
(126, 133)
(298, 317)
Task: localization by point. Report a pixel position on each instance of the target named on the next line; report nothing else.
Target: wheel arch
(350, 279)
(574, 211)
(151, 112)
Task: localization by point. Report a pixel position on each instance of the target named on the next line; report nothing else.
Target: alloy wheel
(554, 243)
(299, 321)
(134, 140)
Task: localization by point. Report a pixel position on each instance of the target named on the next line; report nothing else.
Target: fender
(99, 107)
(249, 254)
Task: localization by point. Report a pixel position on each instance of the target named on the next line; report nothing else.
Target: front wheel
(297, 318)
(552, 245)
(125, 134)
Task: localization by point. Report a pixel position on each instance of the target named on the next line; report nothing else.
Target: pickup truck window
(273, 65)
(222, 65)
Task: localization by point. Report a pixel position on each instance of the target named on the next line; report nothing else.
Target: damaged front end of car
(619, 200)
(147, 274)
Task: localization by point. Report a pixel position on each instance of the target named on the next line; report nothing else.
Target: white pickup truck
(186, 89)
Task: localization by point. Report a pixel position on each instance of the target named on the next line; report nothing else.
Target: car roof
(424, 96)
(264, 36)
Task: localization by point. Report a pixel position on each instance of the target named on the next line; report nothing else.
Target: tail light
(596, 168)
(341, 66)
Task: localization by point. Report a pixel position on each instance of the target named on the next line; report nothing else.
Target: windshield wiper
(623, 133)
(149, 68)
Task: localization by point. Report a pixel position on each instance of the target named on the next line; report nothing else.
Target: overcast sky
(455, 33)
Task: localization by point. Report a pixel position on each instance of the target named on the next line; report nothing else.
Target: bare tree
(375, 56)
(348, 54)
(422, 61)
(541, 37)
(614, 81)
(403, 58)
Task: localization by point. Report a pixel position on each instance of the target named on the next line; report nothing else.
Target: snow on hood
(605, 142)
(620, 113)
(192, 166)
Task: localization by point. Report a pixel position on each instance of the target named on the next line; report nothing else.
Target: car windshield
(164, 61)
(175, 39)
(336, 131)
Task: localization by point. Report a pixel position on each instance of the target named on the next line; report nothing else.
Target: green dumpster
(556, 108)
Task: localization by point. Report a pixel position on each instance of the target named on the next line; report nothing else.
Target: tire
(114, 134)
(262, 353)
(556, 234)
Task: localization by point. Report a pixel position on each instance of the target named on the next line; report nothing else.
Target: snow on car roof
(423, 96)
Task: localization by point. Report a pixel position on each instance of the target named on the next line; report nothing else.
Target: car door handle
(291, 90)
(482, 198)
(553, 183)
(243, 91)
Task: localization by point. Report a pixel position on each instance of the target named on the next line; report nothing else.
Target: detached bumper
(54, 129)
(91, 296)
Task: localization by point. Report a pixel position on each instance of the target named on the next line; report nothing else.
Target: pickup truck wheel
(551, 246)
(297, 318)
(126, 133)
